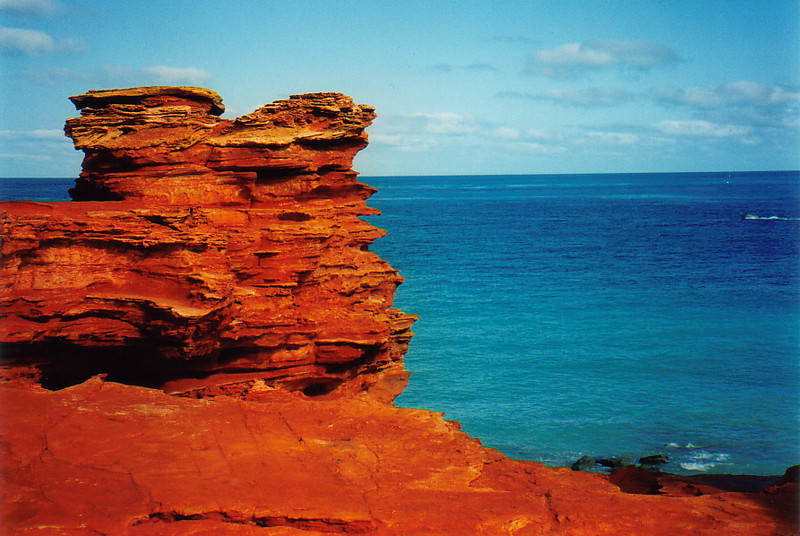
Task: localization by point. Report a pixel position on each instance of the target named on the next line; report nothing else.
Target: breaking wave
(704, 460)
(748, 216)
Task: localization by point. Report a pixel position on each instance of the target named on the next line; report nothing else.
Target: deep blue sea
(608, 315)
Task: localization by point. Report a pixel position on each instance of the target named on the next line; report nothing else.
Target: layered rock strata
(205, 253)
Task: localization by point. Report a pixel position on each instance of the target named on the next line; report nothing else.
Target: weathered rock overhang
(204, 255)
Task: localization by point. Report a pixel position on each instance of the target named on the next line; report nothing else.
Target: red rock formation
(214, 257)
(233, 252)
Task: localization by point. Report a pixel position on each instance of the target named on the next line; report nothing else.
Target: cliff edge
(201, 343)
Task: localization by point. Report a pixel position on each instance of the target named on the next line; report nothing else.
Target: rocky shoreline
(203, 343)
(645, 476)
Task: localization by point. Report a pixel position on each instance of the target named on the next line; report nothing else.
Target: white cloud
(597, 96)
(742, 93)
(47, 134)
(515, 95)
(26, 157)
(540, 148)
(36, 8)
(506, 133)
(427, 131)
(401, 142)
(537, 134)
(24, 41)
(532, 140)
(33, 135)
(34, 42)
(446, 123)
(39, 145)
(51, 76)
(171, 75)
(700, 128)
(118, 75)
(613, 138)
(471, 67)
(573, 59)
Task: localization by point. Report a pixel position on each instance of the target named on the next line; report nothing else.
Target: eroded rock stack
(206, 255)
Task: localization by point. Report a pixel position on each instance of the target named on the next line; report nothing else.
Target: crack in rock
(326, 525)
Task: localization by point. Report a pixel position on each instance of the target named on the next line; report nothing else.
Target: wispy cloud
(21, 40)
(118, 75)
(589, 97)
(539, 148)
(618, 141)
(34, 43)
(699, 128)
(404, 143)
(530, 141)
(423, 131)
(742, 93)
(470, 67)
(445, 123)
(515, 95)
(31, 8)
(171, 75)
(772, 112)
(574, 59)
(33, 135)
(37, 145)
(26, 157)
(506, 133)
(515, 39)
(611, 138)
(51, 76)
(442, 123)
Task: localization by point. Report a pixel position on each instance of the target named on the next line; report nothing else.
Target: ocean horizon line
(619, 173)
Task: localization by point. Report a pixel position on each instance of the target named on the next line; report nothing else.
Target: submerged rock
(614, 462)
(654, 459)
(584, 463)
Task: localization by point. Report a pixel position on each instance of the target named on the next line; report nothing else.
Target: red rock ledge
(225, 261)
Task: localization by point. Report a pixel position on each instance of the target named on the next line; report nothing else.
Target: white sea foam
(674, 445)
(697, 466)
(704, 460)
(756, 217)
(714, 456)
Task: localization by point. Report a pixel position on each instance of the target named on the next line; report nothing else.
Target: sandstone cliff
(225, 262)
(205, 253)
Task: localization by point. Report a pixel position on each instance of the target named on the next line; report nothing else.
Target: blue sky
(461, 87)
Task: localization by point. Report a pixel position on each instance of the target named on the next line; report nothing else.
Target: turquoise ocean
(602, 314)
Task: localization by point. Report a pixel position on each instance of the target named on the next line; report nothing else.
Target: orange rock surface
(205, 252)
(218, 272)
(105, 458)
